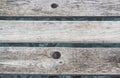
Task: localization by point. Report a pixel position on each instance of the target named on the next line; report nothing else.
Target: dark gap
(57, 18)
(74, 45)
(56, 76)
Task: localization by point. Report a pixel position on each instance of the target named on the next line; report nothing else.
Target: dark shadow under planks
(59, 8)
(82, 61)
(61, 18)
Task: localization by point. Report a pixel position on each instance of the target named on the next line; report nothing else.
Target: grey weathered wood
(65, 8)
(61, 31)
(35, 60)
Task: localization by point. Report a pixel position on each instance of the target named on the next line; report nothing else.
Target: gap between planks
(59, 8)
(60, 31)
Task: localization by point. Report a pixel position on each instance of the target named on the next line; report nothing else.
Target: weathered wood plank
(60, 8)
(61, 31)
(36, 60)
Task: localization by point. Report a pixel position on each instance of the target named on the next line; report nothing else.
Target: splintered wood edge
(59, 8)
(60, 31)
(81, 61)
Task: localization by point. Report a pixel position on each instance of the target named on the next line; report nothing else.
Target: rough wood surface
(35, 60)
(60, 31)
(64, 8)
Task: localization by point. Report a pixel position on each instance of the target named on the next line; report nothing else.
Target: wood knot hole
(56, 55)
(54, 5)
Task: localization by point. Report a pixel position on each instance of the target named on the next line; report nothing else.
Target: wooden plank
(59, 8)
(36, 60)
(60, 31)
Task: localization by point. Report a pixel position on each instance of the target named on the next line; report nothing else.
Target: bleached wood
(60, 31)
(35, 60)
(65, 8)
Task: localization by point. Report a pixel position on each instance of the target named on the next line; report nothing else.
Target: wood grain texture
(60, 31)
(36, 60)
(65, 8)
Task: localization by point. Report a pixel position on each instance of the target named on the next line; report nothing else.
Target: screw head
(54, 5)
(56, 55)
